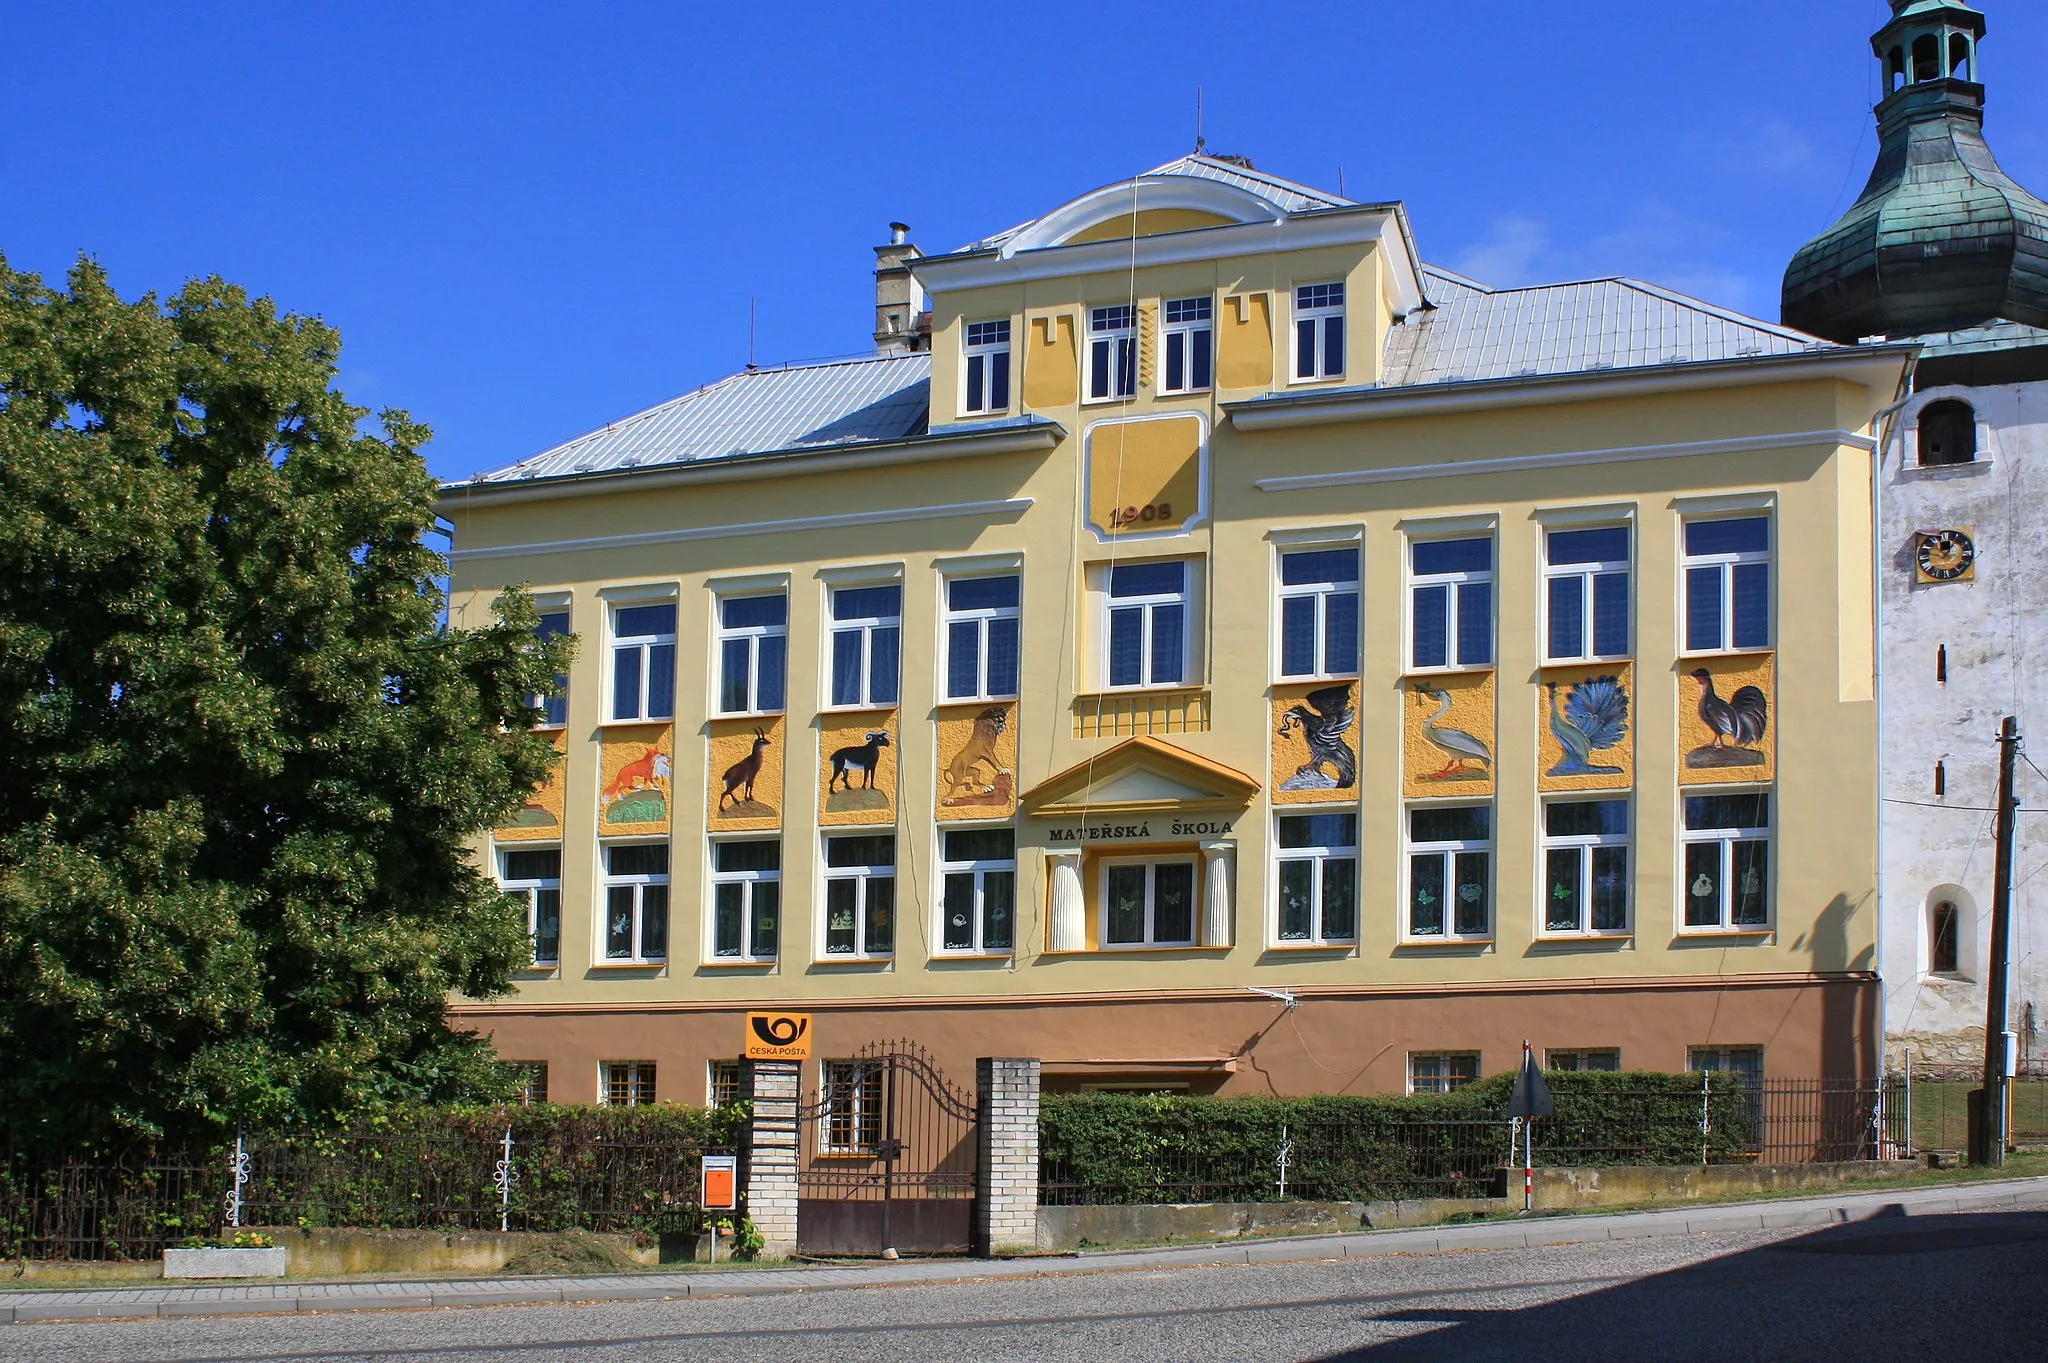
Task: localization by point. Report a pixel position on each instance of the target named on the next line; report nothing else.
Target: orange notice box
(778, 1036)
(721, 1183)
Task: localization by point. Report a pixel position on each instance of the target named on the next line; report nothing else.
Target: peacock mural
(1592, 718)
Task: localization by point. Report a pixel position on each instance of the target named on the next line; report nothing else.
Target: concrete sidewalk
(270, 1298)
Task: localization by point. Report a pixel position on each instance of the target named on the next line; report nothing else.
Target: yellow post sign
(778, 1036)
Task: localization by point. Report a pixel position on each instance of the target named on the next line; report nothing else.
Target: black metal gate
(887, 1157)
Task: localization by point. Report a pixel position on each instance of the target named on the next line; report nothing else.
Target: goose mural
(1736, 723)
(1460, 748)
(1592, 719)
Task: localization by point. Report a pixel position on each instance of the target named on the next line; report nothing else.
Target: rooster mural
(1593, 718)
(1323, 717)
(1736, 724)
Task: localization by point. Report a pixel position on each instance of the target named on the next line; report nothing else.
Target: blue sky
(529, 219)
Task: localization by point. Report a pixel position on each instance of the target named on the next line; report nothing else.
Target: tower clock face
(1946, 555)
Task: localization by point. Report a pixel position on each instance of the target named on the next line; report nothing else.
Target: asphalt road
(1918, 1288)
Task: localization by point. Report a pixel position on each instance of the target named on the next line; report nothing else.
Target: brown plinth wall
(1350, 1041)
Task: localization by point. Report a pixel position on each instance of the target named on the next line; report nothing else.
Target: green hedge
(1126, 1148)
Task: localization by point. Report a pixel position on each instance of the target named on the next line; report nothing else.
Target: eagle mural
(1323, 717)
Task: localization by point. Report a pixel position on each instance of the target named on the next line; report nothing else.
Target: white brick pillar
(771, 1150)
(1069, 908)
(1219, 910)
(1006, 1178)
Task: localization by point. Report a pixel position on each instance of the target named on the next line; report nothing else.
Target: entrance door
(887, 1157)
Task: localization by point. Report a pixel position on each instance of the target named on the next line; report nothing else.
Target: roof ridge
(1726, 314)
(1252, 173)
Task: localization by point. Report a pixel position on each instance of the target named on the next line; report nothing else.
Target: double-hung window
(1318, 879)
(1728, 862)
(988, 367)
(626, 1083)
(554, 706)
(860, 895)
(535, 875)
(1112, 352)
(1442, 1071)
(867, 635)
(1319, 613)
(1148, 904)
(1319, 331)
(982, 623)
(1450, 620)
(753, 653)
(1585, 866)
(746, 898)
(722, 1085)
(978, 878)
(636, 901)
(1728, 585)
(1190, 344)
(1585, 594)
(644, 662)
(1450, 872)
(851, 1123)
(1148, 623)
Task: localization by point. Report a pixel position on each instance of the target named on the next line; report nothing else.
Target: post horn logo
(778, 1036)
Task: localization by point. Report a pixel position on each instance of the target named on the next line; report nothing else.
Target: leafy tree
(240, 756)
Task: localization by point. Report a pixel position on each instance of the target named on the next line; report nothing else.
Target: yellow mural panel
(745, 790)
(1144, 476)
(1725, 711)
(977, 756)
(1244, 342)
(636, 779)
(1447, 735)
(1052, 374)
(857, 768)
(540, 818)
(1585, 730)
(1315, 743)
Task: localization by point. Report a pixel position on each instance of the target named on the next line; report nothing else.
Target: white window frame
(640, 883)
(980, 870)
(1184, 598)
(554, 701)
(1578, 1055)
(1110, 345)
(1322, 592)
(1583, 844)
(858, 1084)
(1728, 839)
(1317, 859)
(1449, 851)
(1455, 582)
(1152, 941)
(980, 617)
(1444, 1083)
(862, 877)
(713, 1070)
(636, 1072)
(1318, 316)
(748, 881)
(530, 889)
(642, 647)
(981, 342)
(1183, 331)
(1586, 572)
(1727, 563)
(865, 626)
(752, 635)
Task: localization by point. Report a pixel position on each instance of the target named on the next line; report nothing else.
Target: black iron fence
(1941, 1101)
(563, 1170)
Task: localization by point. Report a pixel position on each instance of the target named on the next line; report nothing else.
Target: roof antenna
(750, 333)
(1340, 180)
(1200, 141)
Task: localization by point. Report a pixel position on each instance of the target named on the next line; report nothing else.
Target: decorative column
(1006, 1170)
(771, 1152)
(1219, 909)
(1069, 908)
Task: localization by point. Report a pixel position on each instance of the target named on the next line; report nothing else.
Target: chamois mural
(745, 775)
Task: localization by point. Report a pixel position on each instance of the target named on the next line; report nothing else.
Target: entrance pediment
(1142, 775)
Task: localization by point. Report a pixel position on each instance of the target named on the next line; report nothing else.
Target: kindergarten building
(1206, 648)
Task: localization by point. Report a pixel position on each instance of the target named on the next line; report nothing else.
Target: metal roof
(1443, 285)
(1286, 195)
(1572, 328)
(806, 406)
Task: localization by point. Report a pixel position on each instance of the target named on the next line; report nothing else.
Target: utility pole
(1991, 1126)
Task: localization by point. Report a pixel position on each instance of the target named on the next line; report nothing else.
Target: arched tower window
(1948, 433)
(1944, 938)
(1959, 56)
(1895, 71)
(1926, 58)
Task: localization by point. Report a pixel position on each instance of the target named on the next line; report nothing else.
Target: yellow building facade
(1213, 649)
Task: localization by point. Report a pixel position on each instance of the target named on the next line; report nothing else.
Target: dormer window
(1319, 331)
(988, 368)
(1190, 345)
(1112, 353)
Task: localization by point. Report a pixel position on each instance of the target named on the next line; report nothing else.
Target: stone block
(224, 1263)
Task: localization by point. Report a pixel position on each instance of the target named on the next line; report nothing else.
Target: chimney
(903, 320)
